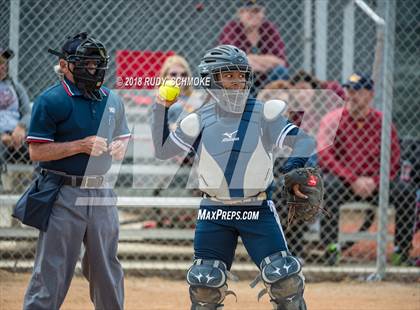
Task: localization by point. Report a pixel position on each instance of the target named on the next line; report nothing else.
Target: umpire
(66, 135)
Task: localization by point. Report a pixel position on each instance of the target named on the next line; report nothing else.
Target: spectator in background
(352, 166)
(307, 105)
(409, 222)
(300, 95)
(260, 40)
(280, 90)
(276, 90)
(15, 113)
(305, 110)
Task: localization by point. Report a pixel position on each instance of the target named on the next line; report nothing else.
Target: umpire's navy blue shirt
(62, 114)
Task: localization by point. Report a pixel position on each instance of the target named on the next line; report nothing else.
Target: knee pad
(284, 281)
(208, 288)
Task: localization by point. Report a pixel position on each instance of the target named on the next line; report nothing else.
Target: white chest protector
(234, 156)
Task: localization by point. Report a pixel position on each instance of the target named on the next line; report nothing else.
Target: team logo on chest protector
(230, 137)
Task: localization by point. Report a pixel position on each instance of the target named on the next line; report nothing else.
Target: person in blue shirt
(233, 138)
(77, 128)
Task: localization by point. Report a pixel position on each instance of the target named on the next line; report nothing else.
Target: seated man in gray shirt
(15, 113)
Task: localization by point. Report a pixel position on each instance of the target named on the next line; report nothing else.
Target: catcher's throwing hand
(304, 190)
(168, 93)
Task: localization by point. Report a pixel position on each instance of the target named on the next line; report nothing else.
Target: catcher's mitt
(310, 184)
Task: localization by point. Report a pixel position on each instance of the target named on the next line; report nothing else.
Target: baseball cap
(358, 81)
(71, 46)
(251, 4)
(72, 43)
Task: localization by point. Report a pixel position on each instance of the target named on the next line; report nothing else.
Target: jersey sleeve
(284, 133)
(42, 126)
(183, 141)
(277, 130)
(169, 143)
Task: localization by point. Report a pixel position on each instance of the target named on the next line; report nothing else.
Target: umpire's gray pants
(58, 250)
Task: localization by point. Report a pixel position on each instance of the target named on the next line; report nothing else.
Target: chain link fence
(321, 44)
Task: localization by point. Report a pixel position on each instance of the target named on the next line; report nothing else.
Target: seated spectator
(305, 110)
(15, 113)
(352, 166)
(283, 90)
(276, 90)
(261, 40)
(410, 174)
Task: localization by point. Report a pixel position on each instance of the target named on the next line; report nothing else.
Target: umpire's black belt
(89, 181)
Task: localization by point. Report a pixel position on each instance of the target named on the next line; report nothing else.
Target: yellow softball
(169, 91)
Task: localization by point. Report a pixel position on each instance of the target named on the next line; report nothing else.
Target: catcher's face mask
(230, 86)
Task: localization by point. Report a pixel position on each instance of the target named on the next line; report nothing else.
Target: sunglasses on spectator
(178, 74)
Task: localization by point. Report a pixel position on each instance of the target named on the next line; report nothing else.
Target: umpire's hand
(117, 149)
(94, 145)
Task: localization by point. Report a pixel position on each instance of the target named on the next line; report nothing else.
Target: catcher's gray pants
(58, 250)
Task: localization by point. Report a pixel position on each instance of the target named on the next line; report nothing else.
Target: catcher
(233, 137)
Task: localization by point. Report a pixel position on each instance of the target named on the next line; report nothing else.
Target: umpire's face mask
(88, 68)
(89, 74)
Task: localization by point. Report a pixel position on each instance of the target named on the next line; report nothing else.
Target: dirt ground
(160, 294)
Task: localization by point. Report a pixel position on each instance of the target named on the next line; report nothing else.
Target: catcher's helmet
(87, 55)
(225, 58)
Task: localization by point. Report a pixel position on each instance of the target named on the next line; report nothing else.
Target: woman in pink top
(261, 40)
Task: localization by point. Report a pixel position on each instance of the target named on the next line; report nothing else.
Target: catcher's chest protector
(234, 160)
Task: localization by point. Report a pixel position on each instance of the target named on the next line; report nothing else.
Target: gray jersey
(234, 152)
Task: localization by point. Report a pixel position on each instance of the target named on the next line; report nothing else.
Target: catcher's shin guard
(208, 288)
(284, 281)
